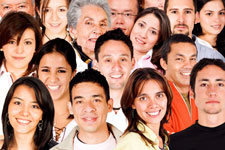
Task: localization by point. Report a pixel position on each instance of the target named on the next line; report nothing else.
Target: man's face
(123, 14)
(180, 62)
(17, 5)
(90, 107)
(210, 90)
(115, 63)
(182, 15)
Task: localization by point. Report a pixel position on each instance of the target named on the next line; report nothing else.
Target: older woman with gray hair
(87, 20)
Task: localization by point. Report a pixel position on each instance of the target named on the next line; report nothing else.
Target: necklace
(50, 39)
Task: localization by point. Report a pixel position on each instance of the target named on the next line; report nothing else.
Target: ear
(191, 94)
(69, 105)
(133, 106)
(73, 32)
(95, 64)
(132, 63)
(73, 74)
(163, 64)
(110, 104)
(197, 18)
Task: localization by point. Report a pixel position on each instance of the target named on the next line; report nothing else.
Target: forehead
(114, 48)
(182, 48)
(92, 11)
(14, 2)
(123, 5)
(87, 89)
(54, 59)
(180, 4)
(211, 72)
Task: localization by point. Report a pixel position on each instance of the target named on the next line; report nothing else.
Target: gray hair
(74, 12)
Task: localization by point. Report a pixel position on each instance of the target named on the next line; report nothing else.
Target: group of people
(110, 74)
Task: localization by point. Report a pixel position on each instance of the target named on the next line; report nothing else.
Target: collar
(82, 55)
(3, 68)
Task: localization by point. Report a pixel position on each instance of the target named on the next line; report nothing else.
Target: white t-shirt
(109, 144)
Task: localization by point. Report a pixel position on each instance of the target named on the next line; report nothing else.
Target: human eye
(123, 59)
(188, 12)
(6, 7)
(46, 10)
(78, 102)
(127, 14)
(27, 42)
(62, 9)
(103, 24)
(173, 11)
(88, 22)
(22, 6)
(209, 14)
(203, 85)
(140, 24)
(17, 102)
(61, 71)
(179, 59)
(97, 100)
(153, 32)
(160, 95)
(45, 70)
(143, 98)
(12, 42)
(113, 14)
(193, 59)
(107, 60)
(221, 84)
(35, 106)
(222, 12)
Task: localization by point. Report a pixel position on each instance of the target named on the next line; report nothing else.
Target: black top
(199, 137)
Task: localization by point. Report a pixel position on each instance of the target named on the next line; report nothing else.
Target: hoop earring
(40, 125)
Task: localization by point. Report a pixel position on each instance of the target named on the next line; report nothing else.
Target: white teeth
(153, 113)
(139, 41)
(23, 121)
(116, 76)
(186, 73)
(53, 87)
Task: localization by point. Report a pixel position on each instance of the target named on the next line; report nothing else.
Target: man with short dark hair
(89, 92)
(182, 16)
(114, 59)
(178, 58)
(123, 13)
(208, 85)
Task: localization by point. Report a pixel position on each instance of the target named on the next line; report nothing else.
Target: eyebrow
(15, 97)
(128, 10)
(207, 80)
(96, 95)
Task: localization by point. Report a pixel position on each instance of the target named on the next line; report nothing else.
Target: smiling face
(55, 19)
(19, 55)
(115, 63)
(182, 15)
(180, 62)
(90, 107)
(24, 111)
(151, 103)
(16, 5)
(145, 33)
(210, 90)
(124, 22)
(212, 17)
(55, 72)
(91, 24)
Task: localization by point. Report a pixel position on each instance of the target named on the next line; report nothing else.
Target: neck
(15, 72)
(211, 39)
(100, 136)
(116, 96)
(23, 142)
(182, 89)
(88, 52)
(211, 120)
(138, 55)
(49, 36)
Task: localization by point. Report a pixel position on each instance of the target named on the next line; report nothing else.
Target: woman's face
(145, 33)
(212, 17)
(151, 103)
(24, 111)
(19, 54)
(55, 72)
(92, 23)
(55, 19)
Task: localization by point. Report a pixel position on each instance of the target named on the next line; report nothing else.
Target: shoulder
(1, 143)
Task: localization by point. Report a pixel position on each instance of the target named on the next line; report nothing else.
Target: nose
(54, 16)
(119, 20)
(89, 107)
(116, 66)
(180, 18)
(25, 110)
(211, 90)
(53, 77)
(152, 103)
(98, 30)
(19, 49)
(143, 33)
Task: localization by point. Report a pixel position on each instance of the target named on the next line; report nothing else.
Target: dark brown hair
(132, 89)
(14, 24)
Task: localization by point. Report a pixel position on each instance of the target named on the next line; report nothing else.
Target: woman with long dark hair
(146, 103)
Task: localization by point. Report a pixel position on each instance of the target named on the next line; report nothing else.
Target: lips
(139, 41)
(186, 74)
(154, 113)
(212, 102)
(54, 25)
(116, 76)
(216, 27)
(89, 119)
(18, 58)
(23, 121)
(53, 87)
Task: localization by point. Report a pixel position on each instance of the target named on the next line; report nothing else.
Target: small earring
(1, 49)
(40, 125)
